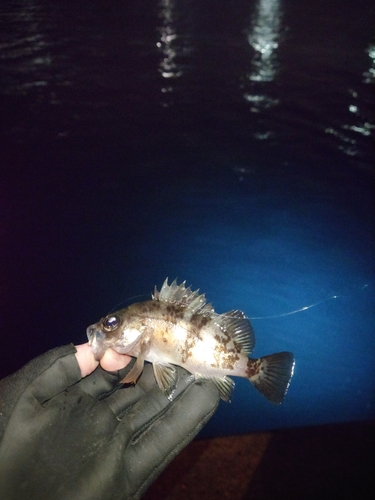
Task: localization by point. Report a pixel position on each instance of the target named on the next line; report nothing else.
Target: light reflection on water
(163, 114)
(24, 49)
(369, 75)
(169, 49)
(347, 134)
(264, 36)
(254, 76)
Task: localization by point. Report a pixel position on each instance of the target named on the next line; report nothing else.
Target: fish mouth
(93, 332)
(96, 341)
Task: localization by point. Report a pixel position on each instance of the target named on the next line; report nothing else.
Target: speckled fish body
(178, 327)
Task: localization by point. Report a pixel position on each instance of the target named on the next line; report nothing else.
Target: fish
(177, 327)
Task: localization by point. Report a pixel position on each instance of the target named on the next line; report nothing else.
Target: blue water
(226, 144)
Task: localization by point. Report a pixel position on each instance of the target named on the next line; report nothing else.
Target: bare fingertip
(86, 360)
(112, 360)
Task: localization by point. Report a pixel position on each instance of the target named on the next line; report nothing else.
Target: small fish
(178, 327)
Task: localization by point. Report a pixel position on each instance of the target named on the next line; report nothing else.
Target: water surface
(228, 144)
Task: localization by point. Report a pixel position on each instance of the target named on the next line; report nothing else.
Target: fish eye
(111, 322)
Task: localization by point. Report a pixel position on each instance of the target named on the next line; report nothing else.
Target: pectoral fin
(166, 377)
(134, 373)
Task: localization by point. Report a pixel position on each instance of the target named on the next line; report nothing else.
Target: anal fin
(225, 385)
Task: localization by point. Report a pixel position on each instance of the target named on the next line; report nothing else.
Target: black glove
(72, 438)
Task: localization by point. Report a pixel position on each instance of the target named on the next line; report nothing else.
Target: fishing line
(305, 308)
(123, 302)
(273, 316)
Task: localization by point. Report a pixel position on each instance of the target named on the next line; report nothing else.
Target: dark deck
(320, 462)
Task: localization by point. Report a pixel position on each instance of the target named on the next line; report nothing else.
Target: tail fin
(271, 375)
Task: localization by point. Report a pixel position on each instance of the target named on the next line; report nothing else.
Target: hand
(111, 361)
(68, 437)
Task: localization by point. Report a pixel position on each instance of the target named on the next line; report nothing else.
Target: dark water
(226, 143)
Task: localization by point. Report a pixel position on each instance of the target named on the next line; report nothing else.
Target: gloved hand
(73, 438)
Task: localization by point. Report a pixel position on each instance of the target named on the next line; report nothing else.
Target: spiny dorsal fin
(179, 294)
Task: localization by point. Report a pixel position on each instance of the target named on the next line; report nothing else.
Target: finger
(86, 359)
(161, 440)
(146, 386)
(105, 378)
(101, 384)
(193, 400)
(140, 405)
(112, 360)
